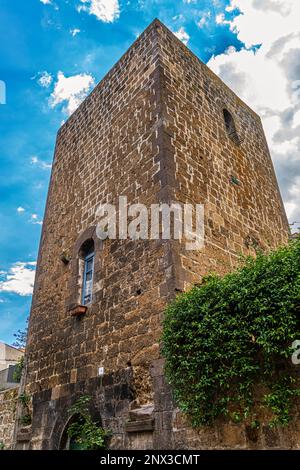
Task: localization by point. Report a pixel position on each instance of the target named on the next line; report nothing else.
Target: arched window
(230, 126)
(87, 255)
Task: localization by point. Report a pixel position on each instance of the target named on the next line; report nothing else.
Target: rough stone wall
(239, 218)
(204, 158)
(151, 130)
(104, 150)
(173, 430)
(8, 403)
(107, 148)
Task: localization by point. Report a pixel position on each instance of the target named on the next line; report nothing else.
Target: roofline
(153, 24)
(12, 347)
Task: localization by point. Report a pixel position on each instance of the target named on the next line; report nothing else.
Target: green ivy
(229, 340)
(84, 433)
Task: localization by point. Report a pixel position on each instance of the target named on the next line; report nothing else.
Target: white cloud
(19, 279)
(74, 31)
(45, 79)
(35, 220)
(20, 209)
(104, 10)
(46, 2)
(178, 17)
(229, 8)
(204, 20)
(220, 18)
(268, 79)
(40, 163)
(272, 19)
(182, 35)
(71, 90)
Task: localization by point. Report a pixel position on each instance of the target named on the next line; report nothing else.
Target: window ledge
(78, 310)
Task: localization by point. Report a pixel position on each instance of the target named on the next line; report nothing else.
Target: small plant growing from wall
(228, 342)
(84, 433)
(18, 370)
(25, 400)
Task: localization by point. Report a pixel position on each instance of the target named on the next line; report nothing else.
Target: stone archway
(65, 442)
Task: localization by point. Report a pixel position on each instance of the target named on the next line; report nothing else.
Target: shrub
(230, 337)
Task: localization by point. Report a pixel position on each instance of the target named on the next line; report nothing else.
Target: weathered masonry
(160, 127)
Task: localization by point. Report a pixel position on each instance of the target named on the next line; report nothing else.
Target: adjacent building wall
(9, 355)
(8, 404)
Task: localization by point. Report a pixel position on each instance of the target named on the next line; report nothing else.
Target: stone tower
(159, 127)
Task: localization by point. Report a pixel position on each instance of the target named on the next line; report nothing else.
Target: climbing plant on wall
(84, 433)
(228, 342)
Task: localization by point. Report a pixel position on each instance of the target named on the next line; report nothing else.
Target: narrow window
(88, 255)
(230, 126)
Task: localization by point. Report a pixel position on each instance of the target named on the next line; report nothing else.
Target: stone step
(141, 413)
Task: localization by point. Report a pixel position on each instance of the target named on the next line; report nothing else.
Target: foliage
(21, 337)
(2, 446)
(26, 419)
(18, 370)
(24, 398)
(228, 341)
(84, 432)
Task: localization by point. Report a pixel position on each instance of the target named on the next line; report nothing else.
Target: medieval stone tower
(160, 127)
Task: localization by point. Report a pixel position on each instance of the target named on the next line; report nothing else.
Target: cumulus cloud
(273, 5)
(104, 10)
(20, 209)
(71, 90)
(19, 279)
(182, 35)
(268, 78)
(46, 2)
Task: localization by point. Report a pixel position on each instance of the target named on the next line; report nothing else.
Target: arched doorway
(67, 442)
(83, 432)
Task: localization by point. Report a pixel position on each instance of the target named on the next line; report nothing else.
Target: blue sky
(54, 51)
